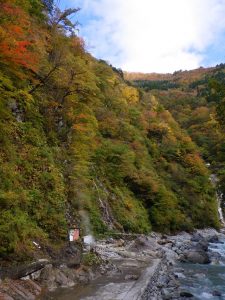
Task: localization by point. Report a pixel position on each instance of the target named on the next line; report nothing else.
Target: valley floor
(134, 268)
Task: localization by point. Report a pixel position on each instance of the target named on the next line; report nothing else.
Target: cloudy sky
(153, 35)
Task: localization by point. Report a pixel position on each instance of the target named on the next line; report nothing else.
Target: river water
(206, 282)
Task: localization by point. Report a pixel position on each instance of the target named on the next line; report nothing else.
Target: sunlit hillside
(81, 146)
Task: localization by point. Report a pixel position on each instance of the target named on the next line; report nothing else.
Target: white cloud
(152, 35)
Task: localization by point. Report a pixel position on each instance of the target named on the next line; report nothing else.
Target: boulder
(131, 277)
(165, 242)
(53, 278)
(4, 296)
(213, 239)
(195, 257)
(169, 294)
(202, 245)
(21, 271)
(110, 240)
(19, 290)
(62, 280)
(47, 278)
(185, 294)
(143, 243)
(216, 294)
(196, 237)
(120, 243)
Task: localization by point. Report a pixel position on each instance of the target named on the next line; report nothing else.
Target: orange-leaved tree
(17, 39)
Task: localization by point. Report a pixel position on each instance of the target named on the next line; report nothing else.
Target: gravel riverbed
(153, 267)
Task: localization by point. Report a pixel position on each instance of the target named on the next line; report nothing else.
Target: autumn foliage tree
(17, 39)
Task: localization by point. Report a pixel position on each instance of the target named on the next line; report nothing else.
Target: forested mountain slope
(196, 100)
(79, 145)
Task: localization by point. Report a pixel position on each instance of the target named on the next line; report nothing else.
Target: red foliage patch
(17, 44)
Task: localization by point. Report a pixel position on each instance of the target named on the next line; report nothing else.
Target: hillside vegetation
(197, 104)
(79, 145)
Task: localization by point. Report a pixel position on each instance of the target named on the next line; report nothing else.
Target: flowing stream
(206, 282)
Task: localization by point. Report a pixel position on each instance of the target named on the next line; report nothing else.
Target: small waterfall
(219, 199)
(106, 212)
(214, 179)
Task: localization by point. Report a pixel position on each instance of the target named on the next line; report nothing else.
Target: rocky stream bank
(121, 268)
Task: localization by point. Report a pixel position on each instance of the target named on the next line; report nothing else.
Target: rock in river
(196, 257)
